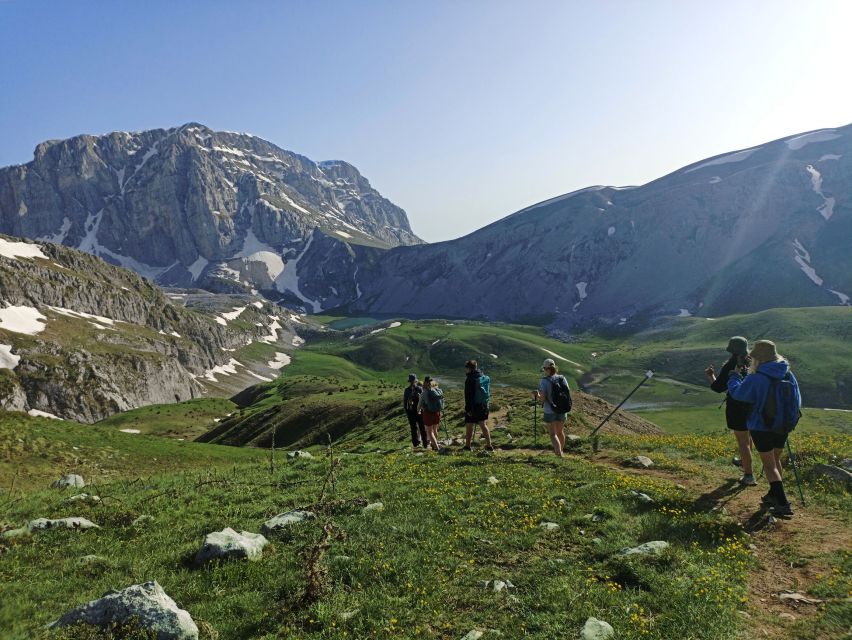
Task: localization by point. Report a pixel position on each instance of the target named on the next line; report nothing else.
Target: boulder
(374, 506)
(83, 497)
(146, 603)
(473, 634)
(653, 548)
(230, 544)
(549, 526)
(837, 474)
(595, 629)
(285, 520)
(639, 462)
(300, 454)
(643, 497)
(69, 480)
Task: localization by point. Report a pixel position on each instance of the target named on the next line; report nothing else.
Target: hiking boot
(489, 448)
(748, 480)
(768, 500)
(782, 510)
(465, 448)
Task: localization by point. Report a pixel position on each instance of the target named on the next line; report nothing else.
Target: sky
(461, 111)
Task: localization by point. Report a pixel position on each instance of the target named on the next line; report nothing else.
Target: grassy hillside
(184, 420)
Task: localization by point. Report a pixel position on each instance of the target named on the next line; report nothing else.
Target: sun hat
(765, 351)
(737, 346)
(548, 364)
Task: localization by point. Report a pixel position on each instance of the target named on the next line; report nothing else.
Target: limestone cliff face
(84, 339)
(750, 230)
(194, 207)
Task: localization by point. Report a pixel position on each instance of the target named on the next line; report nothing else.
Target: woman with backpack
(736, 413)
(430, 406)
(551, 387)
(773, 392)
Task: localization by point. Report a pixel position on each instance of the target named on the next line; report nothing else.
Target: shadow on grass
(718, 497)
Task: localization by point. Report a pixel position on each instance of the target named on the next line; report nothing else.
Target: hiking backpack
(434, 400)
(483, 391)
(413, 398)
(560, 395)
(781, 410)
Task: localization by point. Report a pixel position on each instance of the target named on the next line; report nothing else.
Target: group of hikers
(763, 405)
(762, 396)
(424, 404)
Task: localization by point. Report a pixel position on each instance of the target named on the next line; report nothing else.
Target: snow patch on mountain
(803, 258)
(274, 328)
(288, 279)
(256, 251)
(223, 369)
(197, 267)
(59, 236)
(101, 322)
(15, 250)
(280, 360)
(684, 313)
(824, 135)
(738, 156)
(233, 315)
(829, 156)
(826, 210)
(610, 231)
(22, 319)
(715, 180)
(8, 360)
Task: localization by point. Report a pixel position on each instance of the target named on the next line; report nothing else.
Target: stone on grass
(846, 464)
(595, 629)
(549, 526)
(42, 524)
(374, 506)
(653, 548)
(83, 497)
(571, 439)
(787, 616)
(92, 559)
(492, 480)
(640, 462)
(300, 454)
(143, 521)
(146, 603)
(473, 634)
(284, 520)
(643, 497)
(69, 480)
(230, 544)
(838, 474)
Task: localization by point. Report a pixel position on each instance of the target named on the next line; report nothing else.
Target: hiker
(773, 392)
(430, 406)
(736, 413)
(410, 400)
(477, 393)
(554, 396)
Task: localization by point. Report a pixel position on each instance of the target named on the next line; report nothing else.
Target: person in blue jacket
(766, 365)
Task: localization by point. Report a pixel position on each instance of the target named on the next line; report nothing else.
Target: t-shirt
(546, 388)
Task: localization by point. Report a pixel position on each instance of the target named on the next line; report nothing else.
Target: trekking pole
(648, 375)
(795, 470)
(535, 423)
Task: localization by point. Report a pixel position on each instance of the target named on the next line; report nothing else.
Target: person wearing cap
(410, 402)
(474, 412)
(736, 413)
(555, 421)
(753, 389)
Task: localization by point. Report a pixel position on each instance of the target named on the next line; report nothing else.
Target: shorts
(766, 441)
(431, 418)
(479, 413)
(742, 427)
(736, 414)
(555, 417)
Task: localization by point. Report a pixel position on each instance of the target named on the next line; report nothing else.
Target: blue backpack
(483, 391)
(781, 410)
(434, 400)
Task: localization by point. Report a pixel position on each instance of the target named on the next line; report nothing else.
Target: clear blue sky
(459, 111)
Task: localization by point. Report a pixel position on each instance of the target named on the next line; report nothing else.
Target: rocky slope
(82, 339)
(189, 206)
(755, 229)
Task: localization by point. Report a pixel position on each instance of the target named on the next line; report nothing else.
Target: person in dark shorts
(736, 413)
(410, 401)
(475, 413)
(754, 389)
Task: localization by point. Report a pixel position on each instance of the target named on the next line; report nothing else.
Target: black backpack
(781, 411)
(414, 398)
(560, 395)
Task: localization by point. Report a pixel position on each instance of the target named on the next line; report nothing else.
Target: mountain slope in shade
(760, 228)
(189, 206)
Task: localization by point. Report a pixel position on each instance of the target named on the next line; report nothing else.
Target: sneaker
(748, 480)
(783, 510)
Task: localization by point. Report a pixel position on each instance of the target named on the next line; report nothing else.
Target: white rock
(230, 544)
(374, 506)
(549, 526)
(473, 634)
(82, 497)
(300, 454)
(642, 462)
(143, 521)
(284, 520)
(69, 480)
(649, 548)
(492, 480)
(147, 603)
(595, 629)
